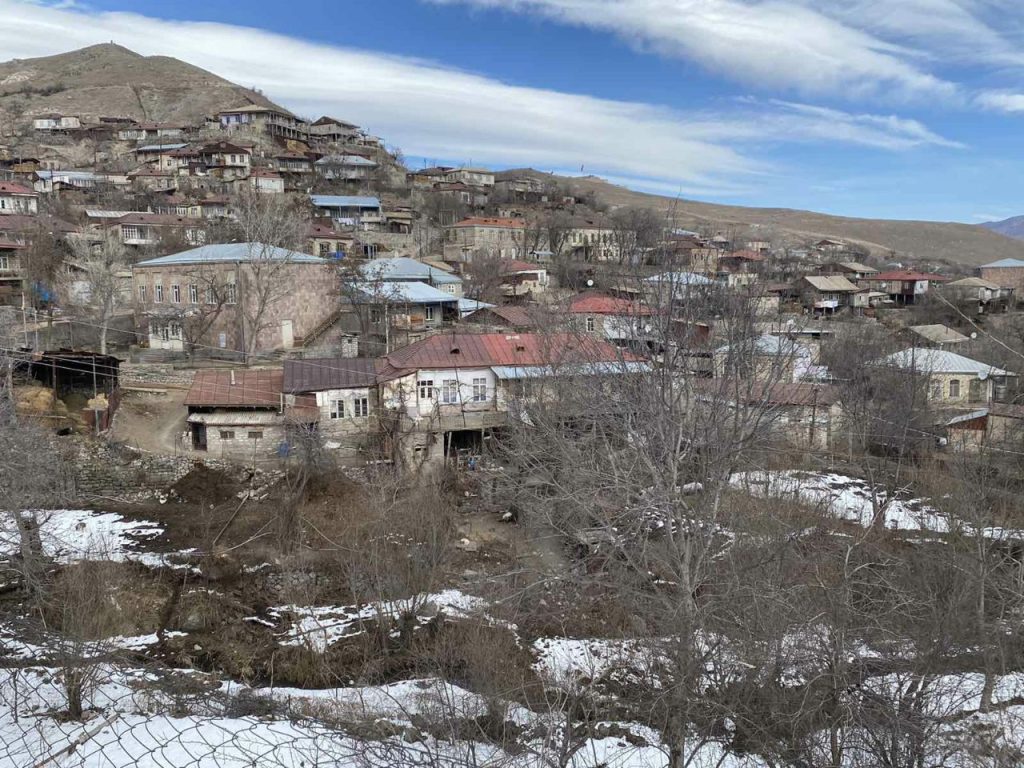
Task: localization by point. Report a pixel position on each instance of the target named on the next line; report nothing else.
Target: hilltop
(1011, 227)
(956, 243)
(109, 80)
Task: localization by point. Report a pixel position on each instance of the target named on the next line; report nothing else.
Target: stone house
(766, 358)
(237, 415)
(352, 210)
(502, 237)
(904, 287)
(828, 294)
(984, 294)
(620, 321)
(953, 380)
(271, 121)
(224, 281)
(473, 177)
(1006, 273)
(142, 229)
(56, 122)
(520, 278)
(802, 414)
(266, 180)
(336, 397)
(348, 168)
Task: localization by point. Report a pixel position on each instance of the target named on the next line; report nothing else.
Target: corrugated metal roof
(226, 252)
(1008, 263)
(831, 284)
(316, 375)
(598, 304)
(403, 268)
(346, 160)
(161, 147)
(512, 314)
(485, 350)
(344, 201)
(609, 368)
(938, 334)
(680, 278)
(238, 419)
(251, 388)
(975, 282)
(940, 361)
(472, 305)
(409, 293)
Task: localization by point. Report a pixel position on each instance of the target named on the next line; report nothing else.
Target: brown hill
(959, 244)
(111, 81)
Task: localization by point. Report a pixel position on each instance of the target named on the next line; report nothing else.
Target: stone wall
(108, 469)
(155, 375)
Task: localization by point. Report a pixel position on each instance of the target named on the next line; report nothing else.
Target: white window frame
(425, 389)
(954, 384)
(337, 409)
(428, 311)
(158, 293)
(193, 293)
(450, 391)
(176, 294)
(360, 407)
(480, 390)
(231, 293)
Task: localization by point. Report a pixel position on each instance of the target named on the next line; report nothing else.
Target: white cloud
(1001, 101)
(778, 43)
(436, 112)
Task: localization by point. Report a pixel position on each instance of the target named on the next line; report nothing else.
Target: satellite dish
(590, 283)
(974, 334)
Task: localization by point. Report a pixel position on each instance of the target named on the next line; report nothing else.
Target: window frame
(450, 391)
(360, 407)
(337, 409)
(158, 293)
(480, 389)
(193, 293)
(176, 294)
(425, 389)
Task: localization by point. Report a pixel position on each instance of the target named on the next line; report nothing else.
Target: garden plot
(319, 627)
(847, 498)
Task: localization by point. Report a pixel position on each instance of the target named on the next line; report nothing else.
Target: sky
(903, 109)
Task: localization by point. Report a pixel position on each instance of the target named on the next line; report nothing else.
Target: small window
(426, 389)
(374, 315)
(936, 390)
(142, 293)
(429, 313)
(450, 391)
(337, 409)
(954, 388)
(159, 291)
(255, 435)
(590, 324)
(227, 434)
(361, 407)
(230, 293)
(176, 294)
(479, 390)
(193, 294)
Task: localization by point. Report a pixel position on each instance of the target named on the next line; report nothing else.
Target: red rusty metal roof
(251, 389)
(599, 304)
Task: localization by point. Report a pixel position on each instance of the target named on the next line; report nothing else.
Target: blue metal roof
(600, 368)
(1004, 263)
(403, 268)
(344, 201)
(224, 252)
(160, 147)
(680, 278)
(406, 293)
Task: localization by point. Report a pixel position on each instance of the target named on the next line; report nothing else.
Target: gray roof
(974, 282)
(406, 293)
(349, 160)
(680, 278)
(831, 284)
(1004, 263)
(403, 268)
(344, 201)
(225, 252)
(940, 361)
(160, 147)
(317, 375)
(938, 334)
(766, 344)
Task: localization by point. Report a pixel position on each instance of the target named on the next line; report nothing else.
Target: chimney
(232, 377)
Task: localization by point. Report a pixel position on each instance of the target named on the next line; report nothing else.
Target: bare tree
(101, 292)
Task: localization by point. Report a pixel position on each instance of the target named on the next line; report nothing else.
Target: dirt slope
(110, 81)
(962, 244)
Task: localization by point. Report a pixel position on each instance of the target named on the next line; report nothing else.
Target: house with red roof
(446, 390)
(621, 321)
(904, 287)
(520, 278)
(17, 198)
(497, 236)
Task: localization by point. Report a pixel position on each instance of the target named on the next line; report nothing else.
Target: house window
(426, 389)
(361, 407)
(5, 263)
(159, 293)
(227, 434)
(450, 391)
(253, 435)
(429, 313)
(130, 232)
(175, 331)
(176, 294)
(337, 409)
(374, 315)
(590, 324)
(230, 293)
(954, 388)
(479, 390)
(325, 248)
(936, 390)
(193, 294)
(450, 288)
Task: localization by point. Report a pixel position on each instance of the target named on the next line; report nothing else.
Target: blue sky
(880, 108)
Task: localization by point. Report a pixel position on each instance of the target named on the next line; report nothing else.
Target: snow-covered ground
(853, 499)
(70, 535)
(318, 627)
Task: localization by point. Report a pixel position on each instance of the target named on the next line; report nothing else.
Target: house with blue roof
(406, 270)
(352, 210)
(1006, 273)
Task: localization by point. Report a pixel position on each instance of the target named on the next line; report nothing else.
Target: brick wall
(1005, 277)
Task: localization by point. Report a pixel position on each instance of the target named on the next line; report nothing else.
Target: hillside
(109, 80)
(1012, 227)
(961, 244)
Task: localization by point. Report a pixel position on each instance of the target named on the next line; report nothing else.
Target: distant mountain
(1012, 227)
(952, 242)
(111, 81)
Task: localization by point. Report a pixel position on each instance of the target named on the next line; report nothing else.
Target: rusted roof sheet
(317, 375)
(251, 389)
(598, 304)
(483, 350)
